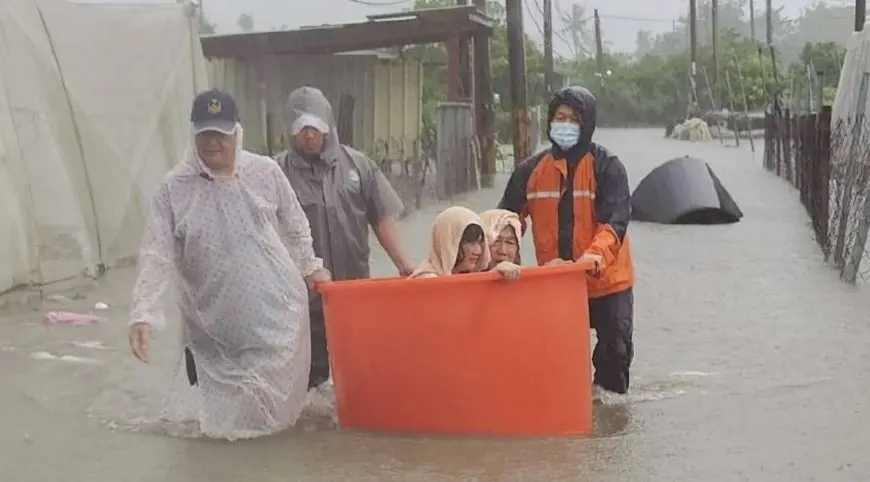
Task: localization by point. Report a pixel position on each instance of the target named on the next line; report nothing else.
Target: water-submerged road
(751, 364)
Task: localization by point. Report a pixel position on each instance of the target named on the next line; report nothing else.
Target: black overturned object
(683, 191)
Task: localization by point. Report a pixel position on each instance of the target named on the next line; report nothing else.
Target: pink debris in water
(69, 318)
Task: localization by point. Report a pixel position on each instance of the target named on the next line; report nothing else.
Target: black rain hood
(584, 105)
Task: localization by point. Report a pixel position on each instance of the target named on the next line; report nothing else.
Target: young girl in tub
(460, 245)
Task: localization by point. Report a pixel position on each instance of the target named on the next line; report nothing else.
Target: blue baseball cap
(214, 111)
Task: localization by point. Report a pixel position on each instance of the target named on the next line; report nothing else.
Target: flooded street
(751, 364)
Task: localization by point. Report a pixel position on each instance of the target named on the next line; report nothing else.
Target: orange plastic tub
(463, 355)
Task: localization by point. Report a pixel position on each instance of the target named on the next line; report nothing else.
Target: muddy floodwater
(752, 364)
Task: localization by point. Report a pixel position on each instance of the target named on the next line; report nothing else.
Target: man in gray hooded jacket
(343, 192)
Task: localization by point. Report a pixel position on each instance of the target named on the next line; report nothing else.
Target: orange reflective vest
(539, 186)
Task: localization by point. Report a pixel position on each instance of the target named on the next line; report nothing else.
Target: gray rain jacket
(342, 193)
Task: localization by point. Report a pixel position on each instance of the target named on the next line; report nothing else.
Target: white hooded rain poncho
(238, 249)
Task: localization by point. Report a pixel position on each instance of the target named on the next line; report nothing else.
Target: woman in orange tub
(460, 245)
(504, 229)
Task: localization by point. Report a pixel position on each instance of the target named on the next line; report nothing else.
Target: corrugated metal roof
(406, 28)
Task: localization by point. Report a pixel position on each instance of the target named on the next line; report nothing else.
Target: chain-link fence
(850, 203)
(425, 170)
(409, 164)
(830, 166)
(797, 148)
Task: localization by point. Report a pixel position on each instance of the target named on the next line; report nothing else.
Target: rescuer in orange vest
(577, 196)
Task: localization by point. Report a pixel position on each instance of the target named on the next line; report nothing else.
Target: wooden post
(693, 47)
(714, 18)
(549, 69)
(454, 70)
(260, 64)
(713, 104)
(824, 174)
(466, 82)
(745, 106)
(484, 108)
(860, 14)
(517, 73)
(733, 113)
(752, 20)
(787, 158)
(599, 44)
(466, 74)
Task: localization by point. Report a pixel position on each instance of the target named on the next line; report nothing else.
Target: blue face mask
(565, 134)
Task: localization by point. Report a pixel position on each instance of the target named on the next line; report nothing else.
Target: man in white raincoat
(227, 225)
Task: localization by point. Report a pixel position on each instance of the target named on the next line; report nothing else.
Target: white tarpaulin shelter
(850, 129)
(94, 110)
(851, 100)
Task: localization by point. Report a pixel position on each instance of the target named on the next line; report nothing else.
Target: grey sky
(655, 15)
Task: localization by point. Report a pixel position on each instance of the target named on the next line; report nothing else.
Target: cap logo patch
(214, 107)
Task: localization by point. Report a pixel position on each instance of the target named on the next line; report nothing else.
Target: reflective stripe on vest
(558, 195)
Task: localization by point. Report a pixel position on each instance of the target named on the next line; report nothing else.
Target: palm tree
(246, 22)
(577, 26)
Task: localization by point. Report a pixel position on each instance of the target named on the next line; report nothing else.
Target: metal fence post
(769, 140)
(850, 269)
(823, 176)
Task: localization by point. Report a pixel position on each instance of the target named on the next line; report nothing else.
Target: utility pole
(484, 105)
(575, 32)
(693, 47)
(599, 45)
(517, 78)
(549, 68)
(860, 14)
(714, 19)
(774, 95)
(752, 20)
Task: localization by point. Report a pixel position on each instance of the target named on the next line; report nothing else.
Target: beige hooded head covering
(446, 237)
(495, 220)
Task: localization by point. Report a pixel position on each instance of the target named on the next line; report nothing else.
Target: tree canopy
(652, 84)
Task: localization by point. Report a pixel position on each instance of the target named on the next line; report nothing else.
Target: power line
(619, 17)
(637, 19)
(392, 3)
(569, 22)
(538, 26)
(532, 16)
